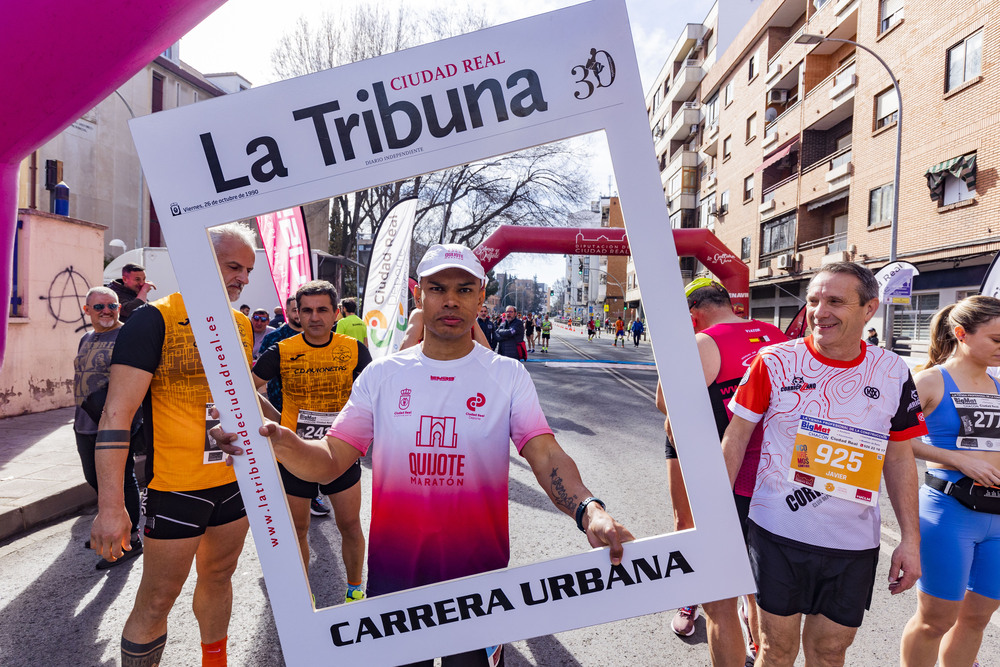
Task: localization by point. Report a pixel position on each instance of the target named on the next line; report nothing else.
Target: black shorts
(546, 336)
(175, 515)
(743, 512)
(300, 488)
(796, 578)
(670, 450)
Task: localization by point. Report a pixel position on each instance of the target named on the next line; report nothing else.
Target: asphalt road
(55, 609)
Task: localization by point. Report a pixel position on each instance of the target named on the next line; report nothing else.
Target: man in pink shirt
(444, 413)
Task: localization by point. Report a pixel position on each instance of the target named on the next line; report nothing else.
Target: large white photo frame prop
(557, 75)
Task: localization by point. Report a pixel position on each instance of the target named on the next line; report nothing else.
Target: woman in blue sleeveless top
(959, 587)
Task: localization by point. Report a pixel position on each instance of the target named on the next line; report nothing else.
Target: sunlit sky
(240, 36)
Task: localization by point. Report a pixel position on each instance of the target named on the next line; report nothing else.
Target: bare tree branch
(536, 186)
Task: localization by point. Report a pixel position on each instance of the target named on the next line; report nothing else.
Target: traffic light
(580, 270)
(552, 292)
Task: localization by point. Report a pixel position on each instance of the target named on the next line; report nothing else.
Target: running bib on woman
(979, 418)
(842, 461)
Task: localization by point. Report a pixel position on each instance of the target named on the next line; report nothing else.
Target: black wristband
(582, 507)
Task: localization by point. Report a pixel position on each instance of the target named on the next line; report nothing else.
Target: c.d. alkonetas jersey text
(874, 392)
(442, 433)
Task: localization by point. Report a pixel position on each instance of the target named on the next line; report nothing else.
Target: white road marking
(628, 382)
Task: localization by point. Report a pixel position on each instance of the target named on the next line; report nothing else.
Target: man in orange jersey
(193, 504)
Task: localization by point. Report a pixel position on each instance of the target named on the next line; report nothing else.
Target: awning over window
(963, 167)
(829, 199)
(778, 154)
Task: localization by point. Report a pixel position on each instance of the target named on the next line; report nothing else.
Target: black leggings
(85, 447)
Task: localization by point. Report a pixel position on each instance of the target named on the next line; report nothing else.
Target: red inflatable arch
(701, 244)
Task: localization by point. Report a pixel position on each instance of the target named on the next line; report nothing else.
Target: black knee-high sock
(143, 655)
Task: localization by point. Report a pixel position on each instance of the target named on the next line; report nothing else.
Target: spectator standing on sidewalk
(132, 289)
(487, 326)
(510, 334)
(90, 387)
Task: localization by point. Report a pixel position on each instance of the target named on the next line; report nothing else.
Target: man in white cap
(444, 413)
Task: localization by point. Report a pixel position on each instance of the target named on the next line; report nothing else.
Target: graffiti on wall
(66, 298)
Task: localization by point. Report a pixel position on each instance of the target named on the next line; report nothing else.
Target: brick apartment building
(786, 150)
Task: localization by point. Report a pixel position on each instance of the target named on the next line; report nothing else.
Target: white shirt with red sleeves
(874, 392)
(442, 432)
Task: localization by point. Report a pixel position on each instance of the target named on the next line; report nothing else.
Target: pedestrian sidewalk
(40, 474)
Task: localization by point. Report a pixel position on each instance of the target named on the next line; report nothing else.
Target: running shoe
(354, 595)
(318, 507)
(683, 623)
(747, 634)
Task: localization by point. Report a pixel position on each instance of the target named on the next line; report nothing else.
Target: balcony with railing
(709, 181)
(826, 244)
(785, 125)
(831, 101)
(778, 198)
(710, 139)
(827, 176)
(818, 252)
(686, 118)
(689, 74)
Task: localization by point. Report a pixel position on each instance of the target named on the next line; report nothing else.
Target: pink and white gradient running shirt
(442, 433)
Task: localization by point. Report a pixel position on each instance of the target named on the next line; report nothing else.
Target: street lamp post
(806, 38)
(620, 288)
(514, 291)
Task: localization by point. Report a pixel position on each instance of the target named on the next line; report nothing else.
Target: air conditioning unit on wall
(777, 96)
(786, 261)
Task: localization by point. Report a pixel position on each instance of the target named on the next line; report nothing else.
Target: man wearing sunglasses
(90, 386)
(259, 324)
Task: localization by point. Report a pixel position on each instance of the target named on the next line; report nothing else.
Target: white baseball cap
(450, 256)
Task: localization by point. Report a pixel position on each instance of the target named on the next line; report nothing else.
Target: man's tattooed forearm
(559, 492)
(112, 435)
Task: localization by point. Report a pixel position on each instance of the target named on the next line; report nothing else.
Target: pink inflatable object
(61, 57)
